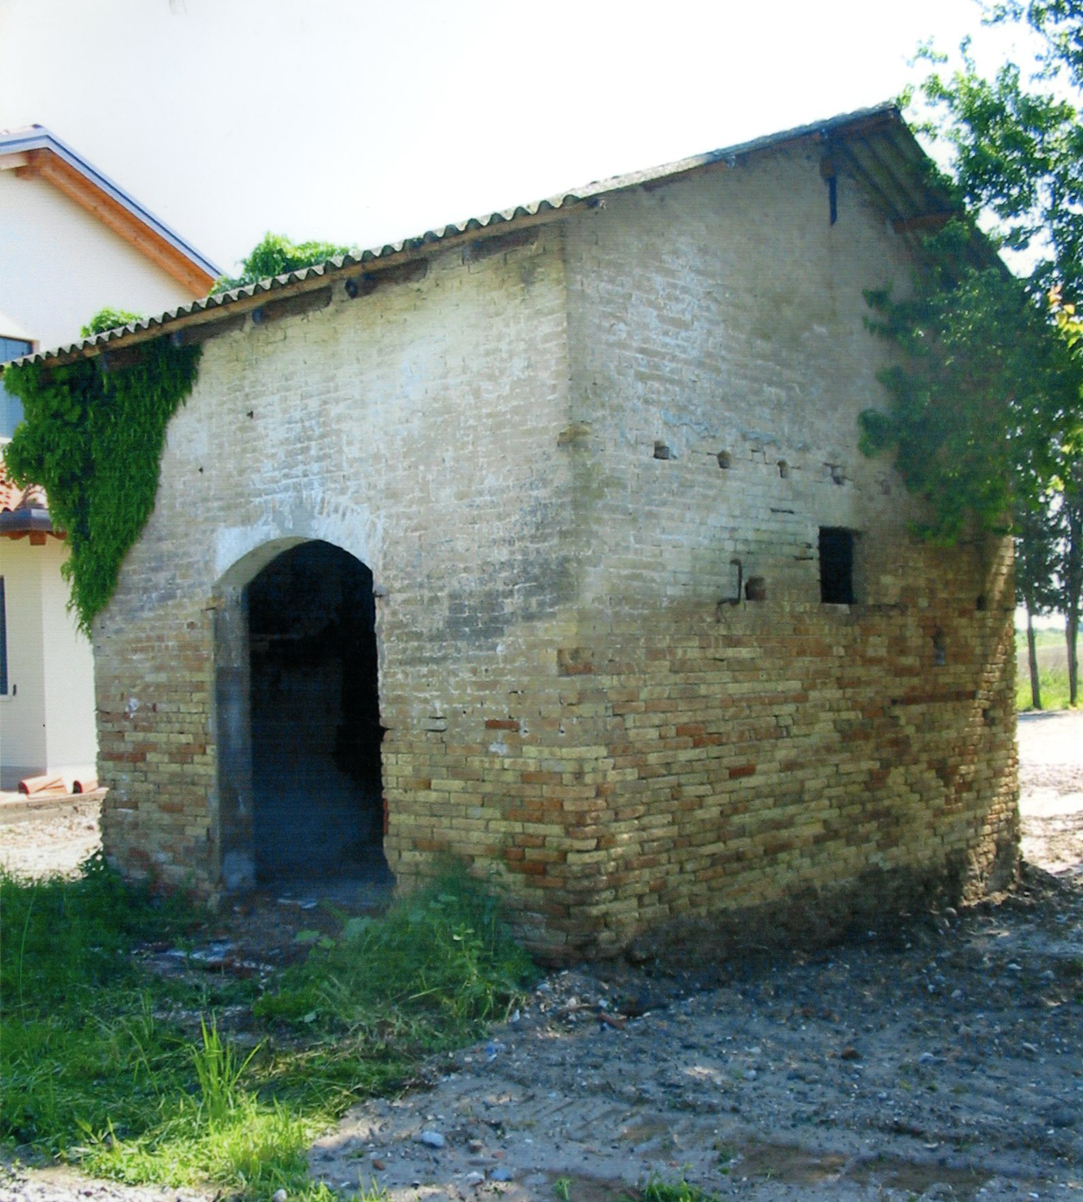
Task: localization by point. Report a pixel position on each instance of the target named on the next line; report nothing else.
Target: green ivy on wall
(93, 438)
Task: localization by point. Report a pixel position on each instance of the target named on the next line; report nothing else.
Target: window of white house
(11, 408)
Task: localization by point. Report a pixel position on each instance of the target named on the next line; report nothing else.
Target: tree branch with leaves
(985, 412)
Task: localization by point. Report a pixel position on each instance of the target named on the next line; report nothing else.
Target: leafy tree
(108, 319)
(1017, 155)
(277, 255)
(978, 398)
(986, 405)
(1069, 567)
(1060, 24)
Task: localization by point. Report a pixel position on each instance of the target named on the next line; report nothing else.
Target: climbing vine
(93, 438)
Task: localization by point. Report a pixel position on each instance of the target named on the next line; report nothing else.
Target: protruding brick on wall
(608, 674)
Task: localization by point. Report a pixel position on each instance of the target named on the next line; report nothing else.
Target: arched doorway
(314, 713)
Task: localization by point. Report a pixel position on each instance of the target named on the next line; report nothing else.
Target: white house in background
(71, 243)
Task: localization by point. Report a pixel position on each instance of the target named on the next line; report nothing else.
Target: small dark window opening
(836, 566)
(3, 642)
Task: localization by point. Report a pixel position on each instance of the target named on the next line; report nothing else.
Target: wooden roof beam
(863, 177)
(917, 198)
(923, 223)
(44, 165)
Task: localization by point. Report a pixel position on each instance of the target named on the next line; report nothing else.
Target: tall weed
(218, 1071)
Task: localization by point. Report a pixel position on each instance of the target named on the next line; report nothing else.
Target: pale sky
(363, 122)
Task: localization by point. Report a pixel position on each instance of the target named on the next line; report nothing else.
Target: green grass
(1053, 683)
(1052, 670)
(656, 1190)
(98, 1064)
(82, 1043)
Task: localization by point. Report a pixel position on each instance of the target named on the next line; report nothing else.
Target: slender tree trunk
(1073, 587)
(1071, 634)
(1032, 657)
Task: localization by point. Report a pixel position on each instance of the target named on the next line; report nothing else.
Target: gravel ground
(1051, 786)
(56, 838)
(944, 1061)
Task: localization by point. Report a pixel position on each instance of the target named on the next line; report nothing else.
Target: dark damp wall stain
(528, 574)
(530, 587)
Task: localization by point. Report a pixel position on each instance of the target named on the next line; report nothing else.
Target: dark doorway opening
(317, 794)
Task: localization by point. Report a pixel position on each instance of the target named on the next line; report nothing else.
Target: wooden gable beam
(871, 185)
(44, 165)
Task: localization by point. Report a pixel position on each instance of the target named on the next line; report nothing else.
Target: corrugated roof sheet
(875, 143)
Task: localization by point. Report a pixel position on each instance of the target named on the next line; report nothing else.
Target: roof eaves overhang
(38, 154)
(875, 144)
(18, 523)
(904, 183)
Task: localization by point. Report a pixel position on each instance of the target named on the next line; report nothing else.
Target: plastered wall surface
(59, 266)
(22, 710)
(46, 236)
(561, 456)
(47, 717)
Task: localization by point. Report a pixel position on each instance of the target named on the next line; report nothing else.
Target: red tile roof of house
(24, 510)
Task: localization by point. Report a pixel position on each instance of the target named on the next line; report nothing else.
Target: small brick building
(545, 541)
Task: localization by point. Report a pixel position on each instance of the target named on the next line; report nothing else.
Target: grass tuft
(219, 1071)
(657, 1190)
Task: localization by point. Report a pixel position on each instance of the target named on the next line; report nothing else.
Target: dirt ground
(1051, 788)
(944, 1060)
(55, 838)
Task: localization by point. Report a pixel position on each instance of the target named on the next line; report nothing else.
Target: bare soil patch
(944, 1060)
(1051, 790)
(49, 838)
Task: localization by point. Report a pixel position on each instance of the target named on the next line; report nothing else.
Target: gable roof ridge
(884, 118)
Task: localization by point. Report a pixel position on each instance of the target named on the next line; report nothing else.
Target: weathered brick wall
(778, 757)
(526, 448)
(416, 428)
